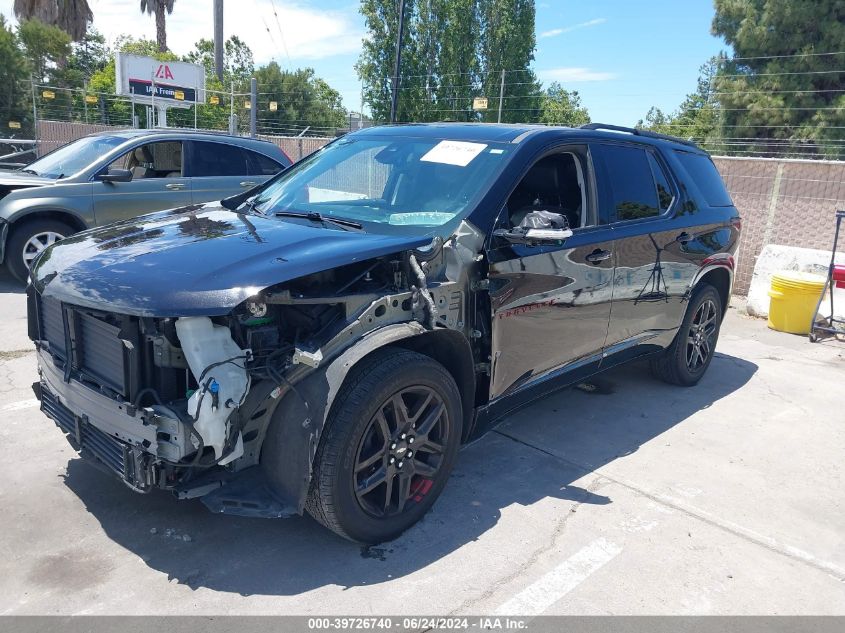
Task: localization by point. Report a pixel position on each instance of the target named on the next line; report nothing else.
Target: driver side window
(557, 184)
(152, 160)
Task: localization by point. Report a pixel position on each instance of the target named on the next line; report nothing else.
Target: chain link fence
(790, 202)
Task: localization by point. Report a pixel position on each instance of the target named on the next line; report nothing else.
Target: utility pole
(501, 95)
(34, 107)
(218, 39)
(398, 65)
(253, 106)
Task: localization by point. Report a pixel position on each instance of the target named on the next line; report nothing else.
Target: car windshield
(389, 184)
(73, 157)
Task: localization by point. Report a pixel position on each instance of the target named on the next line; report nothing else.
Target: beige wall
(53, 134)
(786, 202)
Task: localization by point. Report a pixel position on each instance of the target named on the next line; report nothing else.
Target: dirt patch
(18, 353)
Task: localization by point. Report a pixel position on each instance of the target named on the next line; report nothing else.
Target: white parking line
(17, 406)
(540, 595)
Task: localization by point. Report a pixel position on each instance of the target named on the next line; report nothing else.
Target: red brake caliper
(420, 487)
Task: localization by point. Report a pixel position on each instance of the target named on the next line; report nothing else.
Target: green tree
(698, 117)
(508, 43)
(784, 87)
(302, 99)
(375, 66)
(238, 62)
(454, 50)
(160, 9)
(89, 54)
(561, 107)
(457, 70)
(238, 68)
(46, 47)
(102, 83)
(13, 77)
(71, 16)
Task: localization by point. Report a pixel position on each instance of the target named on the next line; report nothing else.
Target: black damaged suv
(326, 341)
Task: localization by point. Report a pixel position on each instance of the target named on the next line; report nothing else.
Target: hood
(18, 180)
(198, 260)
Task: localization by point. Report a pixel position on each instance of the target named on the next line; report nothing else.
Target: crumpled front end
(186, 403)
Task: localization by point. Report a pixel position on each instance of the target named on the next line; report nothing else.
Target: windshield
(388, 185)
(73, 157)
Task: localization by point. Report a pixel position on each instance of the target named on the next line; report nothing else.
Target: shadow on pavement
(586, 428)
(9, 284)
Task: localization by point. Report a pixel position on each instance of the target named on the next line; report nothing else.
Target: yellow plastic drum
(794, 297)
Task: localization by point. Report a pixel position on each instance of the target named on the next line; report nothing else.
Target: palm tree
(72, 16)
(157, 8)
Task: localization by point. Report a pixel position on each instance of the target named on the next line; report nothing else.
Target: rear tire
(388, 447)
(686, 360)
(28, 238)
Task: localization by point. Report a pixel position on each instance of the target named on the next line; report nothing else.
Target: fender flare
(296, 425)
(720, 262)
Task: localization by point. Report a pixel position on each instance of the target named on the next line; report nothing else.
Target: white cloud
(574, 74)
(574, 27)
(307, 32)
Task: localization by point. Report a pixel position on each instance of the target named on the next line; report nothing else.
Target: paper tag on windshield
(458, 153)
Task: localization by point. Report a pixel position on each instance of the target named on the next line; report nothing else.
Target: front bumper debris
(4, 233)
(122, 444)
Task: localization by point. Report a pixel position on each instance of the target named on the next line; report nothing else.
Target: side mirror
(532, 237)
(116, 175)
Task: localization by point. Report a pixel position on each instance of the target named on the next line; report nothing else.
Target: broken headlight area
(183, 403)
(153, 400)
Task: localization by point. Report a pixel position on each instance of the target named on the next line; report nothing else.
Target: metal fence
(296, 147)
(53, 134)
(790, 202)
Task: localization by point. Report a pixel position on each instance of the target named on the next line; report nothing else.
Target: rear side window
(632, 187)
(702, 170)
(261, 165)
(665, 194)
(218, 159)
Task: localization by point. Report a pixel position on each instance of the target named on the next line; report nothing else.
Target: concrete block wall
(782, 202)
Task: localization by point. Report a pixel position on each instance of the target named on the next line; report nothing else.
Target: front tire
(687, 359)
(28, 238)
(388, 447)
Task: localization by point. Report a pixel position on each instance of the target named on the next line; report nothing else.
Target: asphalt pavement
(626, 496)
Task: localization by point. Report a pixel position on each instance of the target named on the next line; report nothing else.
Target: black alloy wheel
(701, 337)
(686, 360)
(388, 446)
(401, 451)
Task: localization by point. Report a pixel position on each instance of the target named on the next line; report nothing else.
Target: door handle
(248, 183)
(683, 238)
(598, 256)
(175, 186)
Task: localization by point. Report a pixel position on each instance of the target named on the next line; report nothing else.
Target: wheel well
(720, 279)
(59, 216)
(452, 350)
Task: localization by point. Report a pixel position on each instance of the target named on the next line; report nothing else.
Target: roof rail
(636, 132)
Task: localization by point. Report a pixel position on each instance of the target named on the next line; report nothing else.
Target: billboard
(170, 84)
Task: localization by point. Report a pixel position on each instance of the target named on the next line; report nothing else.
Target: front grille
(60, 414)
(104, 447)
(86, 437)
(52, 326)
(99, 352)
(98, 355)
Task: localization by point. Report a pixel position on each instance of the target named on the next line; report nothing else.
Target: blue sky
(621, 56)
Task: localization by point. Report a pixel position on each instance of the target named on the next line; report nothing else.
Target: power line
(281, 35)
(266, 28)
(790, 55)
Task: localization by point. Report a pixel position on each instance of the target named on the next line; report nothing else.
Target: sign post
(161, 85)
(479, 103)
